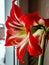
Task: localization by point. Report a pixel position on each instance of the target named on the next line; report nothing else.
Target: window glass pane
(2, 31)
(2, 52)
(2, 12)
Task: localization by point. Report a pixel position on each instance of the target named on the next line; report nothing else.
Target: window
(2, 32)
(2, 11)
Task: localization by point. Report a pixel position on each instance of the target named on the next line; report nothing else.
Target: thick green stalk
(41, 57)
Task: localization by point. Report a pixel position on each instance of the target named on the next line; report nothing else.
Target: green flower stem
(41, 57)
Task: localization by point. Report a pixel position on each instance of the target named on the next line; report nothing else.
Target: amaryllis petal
(34, 46)
(22, 48)
(10, 39)
(13, 37)
(10, 23)
(41, 21)
(47, 25)
(32, 51)
(31, 17)
(17, 10)
(13, 41)
(12, 31)
(34, 16)
(12, 14)
(46, 22)
(20, 53)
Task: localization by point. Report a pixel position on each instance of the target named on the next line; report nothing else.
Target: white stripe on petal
(19, 20)
(15, 2)
(12, 25)
(17, 35)
(17, 17)
(25, 40)
(23, 43)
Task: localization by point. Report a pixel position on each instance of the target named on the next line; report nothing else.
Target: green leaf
(38, 32)
(35, 28)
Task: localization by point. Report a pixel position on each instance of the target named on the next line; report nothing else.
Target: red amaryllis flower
(30, 19)
(19, 33)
